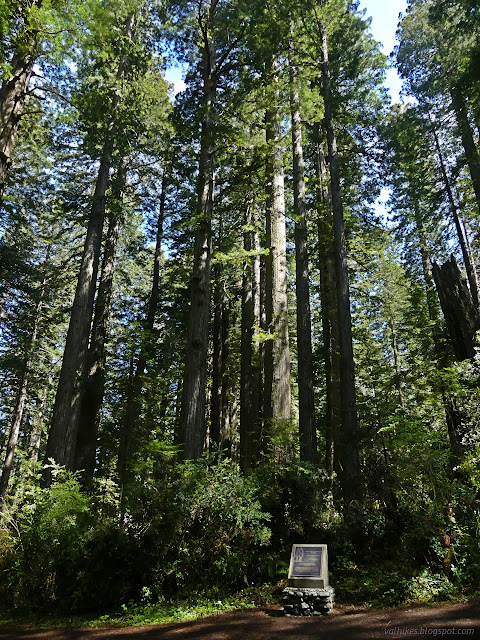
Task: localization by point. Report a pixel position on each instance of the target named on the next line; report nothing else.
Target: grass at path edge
(148, 613)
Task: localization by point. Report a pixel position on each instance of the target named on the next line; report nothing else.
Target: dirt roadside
(346, 623)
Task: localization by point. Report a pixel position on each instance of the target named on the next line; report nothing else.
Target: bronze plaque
(307, 561)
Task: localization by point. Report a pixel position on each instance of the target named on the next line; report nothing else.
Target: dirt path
(346, 623)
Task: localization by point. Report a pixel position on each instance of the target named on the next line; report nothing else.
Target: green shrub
(220, 528)
(46, 533)
(198, 528)
(428, 587)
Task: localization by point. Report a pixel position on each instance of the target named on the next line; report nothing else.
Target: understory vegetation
(205, 539)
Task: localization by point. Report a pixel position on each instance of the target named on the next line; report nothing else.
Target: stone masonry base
(308, 602)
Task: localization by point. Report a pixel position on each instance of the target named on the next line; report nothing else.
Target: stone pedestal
(308, 602)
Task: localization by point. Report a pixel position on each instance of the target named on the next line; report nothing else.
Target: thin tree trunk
(277, 393)
(396, 362)
(22, 394)
(468, 142)
(328, 291)
(12, 96)
(217, 408)
(454, 420)
(390, 499)
(125, 434)
(231, 426)
(469, 263)
(228, 400)
(432, 301)
(347, 445)
(129, 428)
(307, 427)
(250, 372)
(36, 434)
(95, 385)
(178, 438)
(14, 432)
(263, 344)
(192, 418)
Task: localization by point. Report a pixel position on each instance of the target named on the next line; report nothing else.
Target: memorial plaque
(307, 561)
(309, 566)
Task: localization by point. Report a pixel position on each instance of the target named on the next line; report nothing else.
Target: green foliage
(427, 587)
(471, 467)
(62, 549)
(183, 532)
(201, 531)
(46, 533)
(196, 606)
(388, 585)
(221, 529)
(50, 29)
(143, 612)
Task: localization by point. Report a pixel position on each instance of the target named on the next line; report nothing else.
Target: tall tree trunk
(460, 313)
(14, 432)
(277, 393)
(192, 418)
(250, 371)
(231, 424)
(177, 433)
(307, 427)
(220, 440)
(12, 100)
(432, 301)
(128, 435)
(22, 393)
(454, 420)
(13, 93)
(62, 438)
(263, 344)
(468, 142)
(347, 444)
(470, 253)
(92, 398)
(467, 258)
(124, 446)
(328, 291)
(228, 400)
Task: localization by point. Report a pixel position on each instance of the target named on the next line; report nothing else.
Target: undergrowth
(194, 541)
(140, 613)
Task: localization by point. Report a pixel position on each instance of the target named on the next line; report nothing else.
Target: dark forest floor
(346, 623)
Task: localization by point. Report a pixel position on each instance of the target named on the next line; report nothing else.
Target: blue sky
(384, 14)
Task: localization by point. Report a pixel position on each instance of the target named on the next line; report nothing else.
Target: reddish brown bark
(306, 408)
(347, 441)
(192, 416)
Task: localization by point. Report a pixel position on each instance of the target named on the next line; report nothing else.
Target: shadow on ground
(443, 620)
